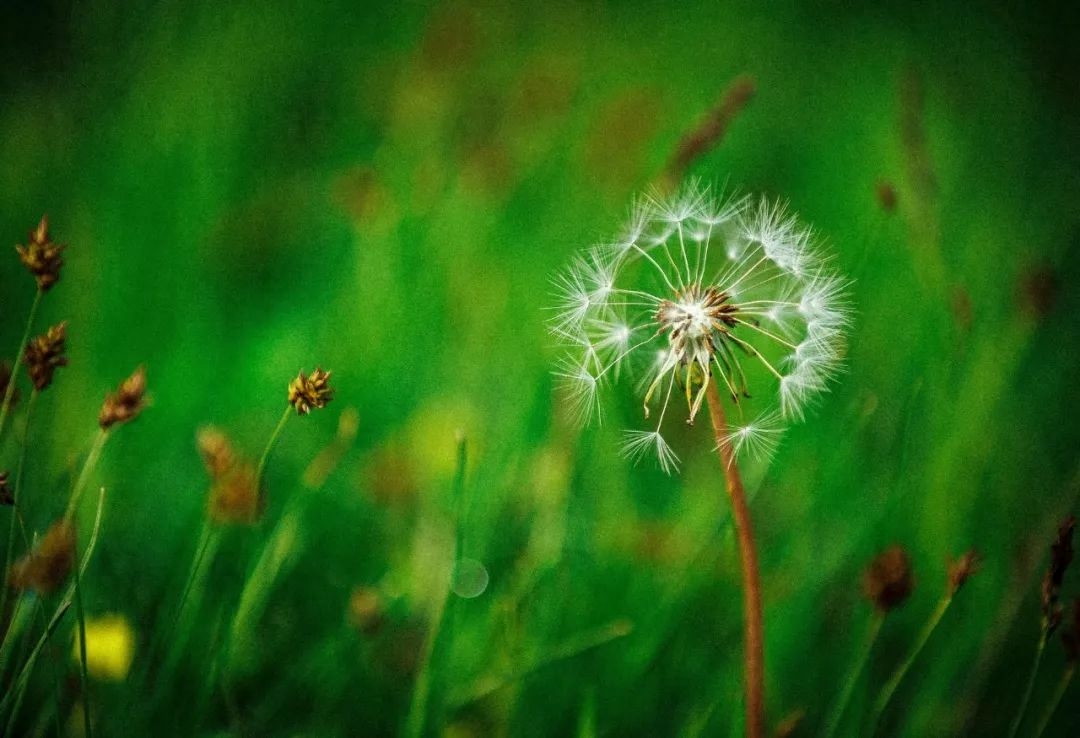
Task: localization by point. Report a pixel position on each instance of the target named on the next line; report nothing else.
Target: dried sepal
(126, 403)
(46, 567)
(41, 256)
(45, 354)
(307, 392)
(889, 581)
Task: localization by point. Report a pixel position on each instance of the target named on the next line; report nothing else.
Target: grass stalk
(1014, 727)
(753, 630)
(9, 393)
(88, 466)
(853, 675)
(14, 696)
(886, 694)
(80, 618)
(261, 468)
(16, 509)
(1055, 700)
(418, 706)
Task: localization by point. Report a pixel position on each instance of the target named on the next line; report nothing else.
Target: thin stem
(80, 617)
(1039, 649)
(418, 707)
(10, 391)
(16, 507)
(753, 631)
(887, 692)
(854, 674)
(88, 466)
(261, 468)
(1059, 692)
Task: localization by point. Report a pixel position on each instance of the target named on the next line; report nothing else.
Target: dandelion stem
(854, 674)
(1039, 649)
(887, 692)
(752, 615)
(88, 466)
(1059, 692)
(10, 391)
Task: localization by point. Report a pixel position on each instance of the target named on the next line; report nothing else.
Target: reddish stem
(753, 633)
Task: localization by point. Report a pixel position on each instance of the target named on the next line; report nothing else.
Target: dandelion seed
(638, 444)
(702, 288)
(758, 439)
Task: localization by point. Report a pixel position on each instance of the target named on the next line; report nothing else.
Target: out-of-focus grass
(385, 191)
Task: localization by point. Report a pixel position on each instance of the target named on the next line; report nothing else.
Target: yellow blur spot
(110, 647)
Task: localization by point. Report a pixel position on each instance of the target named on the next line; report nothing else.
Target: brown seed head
(7, 497)
(49, 564)
(41, 256)
(888, 581)
(234, 491)
(234, 496)
(306, 393)
(962, 569)
(885, 193)
(126, 403)
(1070, 637)
(5, 377)
(366, 611)
(44, 354)
(216, 450)
(1061, 554)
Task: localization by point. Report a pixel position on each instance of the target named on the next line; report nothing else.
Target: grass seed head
(889, 581)
(126, 403)
(1061, 555)
(46, 567)
(42, 256)
(307, 392)
(45, 354)
(963, 569)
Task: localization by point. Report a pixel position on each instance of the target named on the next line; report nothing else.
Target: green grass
(386, 192)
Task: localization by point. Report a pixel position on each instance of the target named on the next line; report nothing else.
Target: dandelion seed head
(701, 287)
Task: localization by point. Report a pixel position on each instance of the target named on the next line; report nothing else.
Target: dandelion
(702, 295)
(699, 290)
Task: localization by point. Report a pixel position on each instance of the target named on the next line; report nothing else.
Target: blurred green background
(386, 191)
